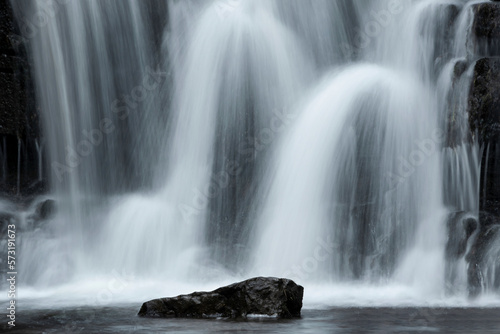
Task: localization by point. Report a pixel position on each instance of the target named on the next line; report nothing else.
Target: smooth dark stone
(260, 295)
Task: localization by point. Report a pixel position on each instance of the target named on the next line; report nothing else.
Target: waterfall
(362, 167)
(352, 168)
(194, 142)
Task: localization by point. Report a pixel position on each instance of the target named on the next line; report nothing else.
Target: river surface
(124, 319)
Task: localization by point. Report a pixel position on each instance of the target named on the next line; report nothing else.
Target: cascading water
(369, 177)
(221, 139)
(219, 103)
(98, 91)
(348, 172)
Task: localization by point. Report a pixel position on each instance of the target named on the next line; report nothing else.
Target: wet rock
(460, 229)
(478, 254)
(260, 295)
(457, 118)
(490, 179)
(484, 122)
(42, 213)
(484, 99)
(486, 28)
(46, 209)
(19, 123)
(459, 69)
(17, 114)
(5, 220)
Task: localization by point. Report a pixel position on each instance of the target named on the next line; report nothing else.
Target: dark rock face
(490, 179)
(17, 107)
(489, 231)
(484, 103)
(484, 119)
(6, 219)
(484, 122)
(19, 128)
(260, 295)
(486, 29)
(46, 209)
(460, 229)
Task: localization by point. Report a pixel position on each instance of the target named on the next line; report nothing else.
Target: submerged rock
(260, 295)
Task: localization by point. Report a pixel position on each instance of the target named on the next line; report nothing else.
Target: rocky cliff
(21, 145)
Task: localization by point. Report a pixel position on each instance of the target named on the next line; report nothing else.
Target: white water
(277, 142)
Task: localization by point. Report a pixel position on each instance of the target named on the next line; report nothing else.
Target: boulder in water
(260, 295)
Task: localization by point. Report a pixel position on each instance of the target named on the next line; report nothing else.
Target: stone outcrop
(19, 125)
(484, 123)
(486, 28)
(460, 229)
(478, 254)
(260, 295)
(484, 101)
